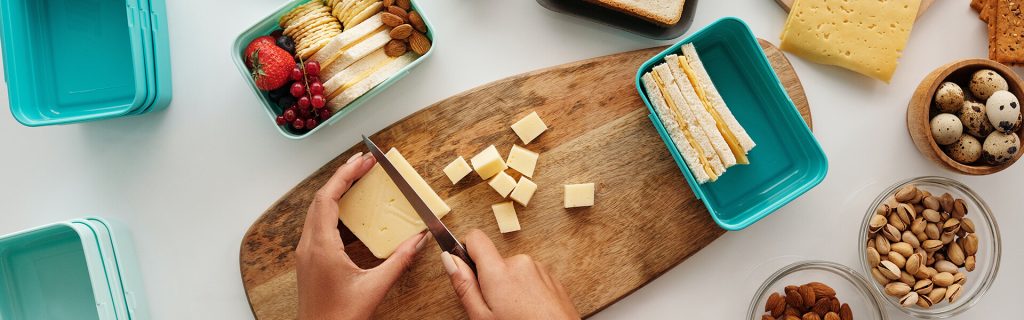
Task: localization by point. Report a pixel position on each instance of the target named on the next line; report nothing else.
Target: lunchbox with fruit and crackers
(311, 62)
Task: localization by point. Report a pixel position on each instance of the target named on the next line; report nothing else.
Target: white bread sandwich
(351, 45)
(739, 141)
(705, 120)
(661, 12)
(692, 143)
(356, 80)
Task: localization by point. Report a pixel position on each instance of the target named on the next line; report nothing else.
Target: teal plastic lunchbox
(269, 24)
(787, 161)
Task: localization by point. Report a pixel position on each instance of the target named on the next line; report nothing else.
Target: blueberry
(286, 101)
(278, 93)
(286, 43)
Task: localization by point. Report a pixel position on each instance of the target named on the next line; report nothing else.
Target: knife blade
(442, 235)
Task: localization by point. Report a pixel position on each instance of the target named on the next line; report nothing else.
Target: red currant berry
(318, 101)
(316, 88)
(281, 120)
(289, 115)
(298, 124)
(314, 79)
(304, 102)
(297, 89)
(312, 68)
(296, 74)
(324, 114)
(311, 123)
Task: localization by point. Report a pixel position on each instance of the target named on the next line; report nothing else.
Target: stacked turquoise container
(69, 61)
(75, 269)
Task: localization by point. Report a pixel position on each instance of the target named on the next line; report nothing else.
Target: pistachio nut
(923, 286)
(939, 256)
(921, 237)
(897, 259)
(928, 245)
(947, 237)
(946, 202)
(883, 210)
(937, 294)
(969, 263)
(953, 292)
(873, 257)
(918, 208)
(959, 278)
(951, 226)
(903, 248)
(955, 254)
(871, 242)
(897, 289)
(959, 209)
(931, 259)
(909, 299)
(906, 193)
(898, 222)
(906, 212)
(882, 244)
(913, 264)
(910, 239)
(882, 280)
(930, 202)
(924, 301)
(967, 224)
(877, 222)
(907, 278)
(970, 244)
(917, 226)
(892, 272)
(932, 231)
(892, 233)
(931, 215)
(942, 279)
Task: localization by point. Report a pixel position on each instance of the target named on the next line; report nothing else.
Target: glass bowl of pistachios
(930, 246)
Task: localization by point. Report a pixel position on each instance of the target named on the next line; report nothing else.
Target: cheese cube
(377, 212)
(488, 163)
(529, 127)
(522, 160)
(524, 191)
(503, 183)
(505, 214)
(579, 195)
(457, 170)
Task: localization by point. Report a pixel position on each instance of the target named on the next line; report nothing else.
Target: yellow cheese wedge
(727, 134)
(684, 127)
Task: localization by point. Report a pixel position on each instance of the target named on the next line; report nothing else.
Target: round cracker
(307, 52)
(298, 12)
(314, 33)
(358, 8)
(365, 14)
(305, 23)
(327, 23)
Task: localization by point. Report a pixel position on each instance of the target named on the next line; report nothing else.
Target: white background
(190, 180)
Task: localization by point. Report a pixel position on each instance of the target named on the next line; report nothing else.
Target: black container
(616, 19)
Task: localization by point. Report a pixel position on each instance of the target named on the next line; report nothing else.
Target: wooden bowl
(919, 111)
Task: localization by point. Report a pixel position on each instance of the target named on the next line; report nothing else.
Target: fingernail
(354, 157)
(368, 156)
(423, 242)
(449, 263)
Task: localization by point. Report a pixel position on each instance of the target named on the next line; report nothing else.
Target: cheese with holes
(505, 214)
(375, 210)
(864, 36)
(457, 170)
(579, 195)
(524, 191)
(522, 160)
(529, 127)
(488, 163)
(503, 183)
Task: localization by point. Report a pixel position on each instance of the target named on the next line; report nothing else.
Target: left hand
(330, 285)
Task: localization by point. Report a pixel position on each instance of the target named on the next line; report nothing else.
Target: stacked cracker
(312, 26)
(352, 12)
(1005, 26)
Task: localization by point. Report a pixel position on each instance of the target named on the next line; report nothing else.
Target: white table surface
(189, 181)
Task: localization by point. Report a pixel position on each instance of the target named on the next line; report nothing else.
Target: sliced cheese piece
(356, 51)
(524, 191)
(864, 36)
(503, 183)
(366, 80)
(488, 163)
(579, 195)
(505, 214)
(375, 210)
(345, 41)
(457, 170)
(522, 160)
(529, 128)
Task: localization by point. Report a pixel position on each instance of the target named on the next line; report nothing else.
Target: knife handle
(460, 251)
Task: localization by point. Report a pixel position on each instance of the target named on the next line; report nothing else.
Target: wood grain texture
(925, 4)
(599, 132)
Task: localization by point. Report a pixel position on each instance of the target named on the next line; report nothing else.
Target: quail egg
(985, 82)
(974, 119)
(966, 150)
(1000, 147)
(949, 97)
(946, 128)
(1003, 111)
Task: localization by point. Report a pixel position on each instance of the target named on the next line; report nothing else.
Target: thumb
(393, 268)
(466, 287)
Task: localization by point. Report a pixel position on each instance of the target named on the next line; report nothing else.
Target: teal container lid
(787, 161)
(69, 61)
(119, 261)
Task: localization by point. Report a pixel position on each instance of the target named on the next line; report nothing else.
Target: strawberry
(271, 67)
(258, 43)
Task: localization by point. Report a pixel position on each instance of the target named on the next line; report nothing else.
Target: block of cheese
(524, 191)
(529, 128)
(488, 163)
(505, 214)
(579, 195)
(377, 212)
(864, 36)
(522, 160)
(457, 170)
(503, 183)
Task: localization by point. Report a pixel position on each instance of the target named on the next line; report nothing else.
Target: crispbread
(705, 121)
(688, 153)
(1009, 26)
(661, 12)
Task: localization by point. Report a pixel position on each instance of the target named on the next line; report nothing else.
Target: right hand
(507, 288)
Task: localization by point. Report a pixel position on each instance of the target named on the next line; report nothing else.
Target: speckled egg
(1000, 147)
(966, 150)
(974, 119)
(1003, 110)
(949, 97)
(985, 82)
(946, 128)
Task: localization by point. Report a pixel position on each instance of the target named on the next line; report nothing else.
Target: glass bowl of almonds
(931, 247)
(815, 289)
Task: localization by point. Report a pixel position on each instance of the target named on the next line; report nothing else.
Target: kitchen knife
(444, 238)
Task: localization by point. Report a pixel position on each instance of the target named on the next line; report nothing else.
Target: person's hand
(331, 286)
(508, 288)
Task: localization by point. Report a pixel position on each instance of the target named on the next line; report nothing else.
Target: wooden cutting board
(788, 4)
(644, 222)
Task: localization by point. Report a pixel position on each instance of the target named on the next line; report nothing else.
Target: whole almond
(792, 317)
(909, 299)
(821, 307)
(835, 303)
(767, 317)
(923, 286)
(401, 13)
(417, 21)
(807, 293)
(891, 271)
(811, 316)
(845, 313)
(942, 279)
(906, 193)
(391, 20)
(395, 48)
(419, 43)
(822, 290)
(831, 316)
(794, 299)
(897, 289)
(404, 4)
(401, 32)
(776, 304)
(790, 311)
(388, 3)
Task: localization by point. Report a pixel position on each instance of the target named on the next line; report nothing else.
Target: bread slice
(722, 112)
(661, 12)
(663, 113)
(705, 120)
(361, 78)
(687, 120)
